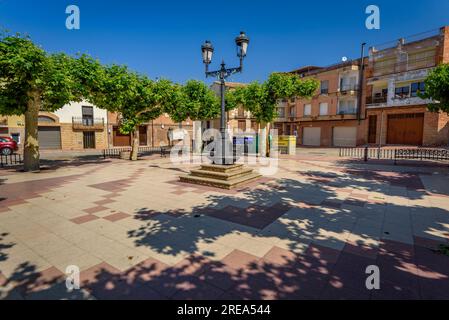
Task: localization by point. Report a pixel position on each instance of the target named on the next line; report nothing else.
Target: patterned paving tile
(116, 216)
(84, 219)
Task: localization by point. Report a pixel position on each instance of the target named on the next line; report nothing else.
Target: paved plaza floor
(307, 232)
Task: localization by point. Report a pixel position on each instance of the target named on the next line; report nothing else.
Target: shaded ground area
(308, 232)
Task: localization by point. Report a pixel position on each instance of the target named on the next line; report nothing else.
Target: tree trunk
(134, 144)
(263, 139)
(31, 145)
(198, 137)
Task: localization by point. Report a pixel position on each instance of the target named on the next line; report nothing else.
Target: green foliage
(437, 88)
(26, 68)
(261, 99)
(195, 101)
(135, 97)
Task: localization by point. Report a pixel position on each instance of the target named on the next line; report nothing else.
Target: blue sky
(163, 38)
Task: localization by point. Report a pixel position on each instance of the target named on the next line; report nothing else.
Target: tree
(31, 81)
(437, 89)
(261, 99)
(136, 98)
(197, 102)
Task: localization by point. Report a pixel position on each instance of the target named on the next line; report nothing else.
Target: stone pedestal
(219, 176)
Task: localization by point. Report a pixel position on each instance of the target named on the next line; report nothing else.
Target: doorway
(89, 140)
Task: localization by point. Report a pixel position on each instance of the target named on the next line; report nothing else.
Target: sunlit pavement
(308, 232)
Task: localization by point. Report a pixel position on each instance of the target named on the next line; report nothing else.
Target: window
(348, 83)
(346, 107)
(16, 137)
(45, 119)
(324, 87)
(402, 92)
(307, 110)
(292, 112)
(281, 112)
(417, 87)
(323, 108)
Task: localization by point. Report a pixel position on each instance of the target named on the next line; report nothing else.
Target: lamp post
(207, 49)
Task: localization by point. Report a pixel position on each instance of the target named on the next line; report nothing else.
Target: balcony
(376, 100)
(4, 122)
(348, 89)
(91, 124)
(403, 66)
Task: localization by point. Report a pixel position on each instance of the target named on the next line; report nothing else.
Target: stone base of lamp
(219, 176)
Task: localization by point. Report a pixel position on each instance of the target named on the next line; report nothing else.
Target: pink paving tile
(354, 202)
(100, 272)
(3, 280)
(221, 276)
(95, 209)
(323, 254)
(103, 202)
(4, 209)
(331, 204)
(84, 219)
(116, 216)
(240, 260)
(192, 288)
(193, 265)
(278, 256)
(361, 249)
(336, 292)
(393, 291)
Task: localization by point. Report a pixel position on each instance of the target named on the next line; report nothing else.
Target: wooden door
(143, 135)
(119, 139)
(405, 129)
(372, 129)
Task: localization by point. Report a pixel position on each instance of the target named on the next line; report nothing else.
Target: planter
(125, 155)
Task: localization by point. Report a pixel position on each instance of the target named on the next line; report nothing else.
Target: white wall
(73, 109)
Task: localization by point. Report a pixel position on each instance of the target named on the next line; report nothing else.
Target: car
(7, 146)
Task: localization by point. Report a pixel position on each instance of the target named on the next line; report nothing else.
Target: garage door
(405, 129)
(345, 136)
(311, 137)
(49, 138)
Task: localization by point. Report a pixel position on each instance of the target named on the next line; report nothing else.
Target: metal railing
(10, 160)
(403, 66)
(115, 152)
(349, 87)
(376, 100)
(395, 154)
(88, 123)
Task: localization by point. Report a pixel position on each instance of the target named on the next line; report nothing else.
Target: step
(220, 175)
(221, 168)
(222, 184)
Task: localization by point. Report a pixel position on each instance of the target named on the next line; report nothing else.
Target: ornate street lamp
(207, 50)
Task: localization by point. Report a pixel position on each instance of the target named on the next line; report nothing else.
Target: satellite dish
(344, 59)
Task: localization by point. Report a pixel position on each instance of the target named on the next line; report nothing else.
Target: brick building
(395, 75)
(332, 117)
(76, 126)
(237, 119)
(153, 133)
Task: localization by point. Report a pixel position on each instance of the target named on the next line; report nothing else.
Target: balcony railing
(349, 87)
(404, 66)
(80, 123)
(376, 100)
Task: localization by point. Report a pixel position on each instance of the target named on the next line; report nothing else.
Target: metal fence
(115, 152)
(10, 160)
(394, 153)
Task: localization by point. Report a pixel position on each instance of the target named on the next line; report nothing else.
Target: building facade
(76, 126)
(395, 76)
(333, 116)
(238, 120)
(155, 133)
